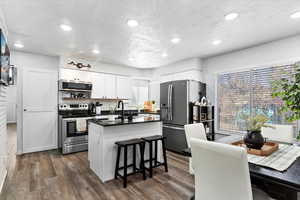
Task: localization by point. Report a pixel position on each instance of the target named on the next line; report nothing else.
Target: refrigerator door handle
(173, 127)
(171, 102)
(168, 116)
(168, 110)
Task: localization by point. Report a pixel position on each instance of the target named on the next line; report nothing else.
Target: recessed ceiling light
(295, 15)
(131, 59)
(164, 55)
(65, 27)
(231, 16)
(19, 45)
(175, 40)
(96, 51)
(132, 23)
(216, 42)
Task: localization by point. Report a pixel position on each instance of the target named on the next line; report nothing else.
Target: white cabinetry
(104, 86)
(124, 87)
(98, 85)
(71, 74)
(109, 86)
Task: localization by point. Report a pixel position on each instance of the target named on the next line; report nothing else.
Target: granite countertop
(118, 122)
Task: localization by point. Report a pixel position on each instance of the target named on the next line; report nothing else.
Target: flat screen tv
(4, 60)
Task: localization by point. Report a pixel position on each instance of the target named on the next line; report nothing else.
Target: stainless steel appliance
(175, 97)
(73, 131)
(75, 85)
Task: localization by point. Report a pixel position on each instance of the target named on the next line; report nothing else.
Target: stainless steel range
(73, 127)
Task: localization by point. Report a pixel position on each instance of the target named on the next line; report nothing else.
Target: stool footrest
(131, 165)
(131, 173)
(157, 164)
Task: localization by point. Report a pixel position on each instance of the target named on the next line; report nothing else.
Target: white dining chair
(280, 133)
(194, 131)
(221, 172)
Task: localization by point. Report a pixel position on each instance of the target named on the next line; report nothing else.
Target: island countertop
(119, 122)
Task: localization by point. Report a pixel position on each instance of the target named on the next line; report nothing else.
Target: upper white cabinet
(123, 87)
(109, 86)
(98, 90)
(71, 74)
(105, 86)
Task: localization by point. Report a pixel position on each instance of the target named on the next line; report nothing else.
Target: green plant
(255, 123)
(288, 90)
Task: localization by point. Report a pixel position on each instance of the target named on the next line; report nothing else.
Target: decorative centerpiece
(254, 138)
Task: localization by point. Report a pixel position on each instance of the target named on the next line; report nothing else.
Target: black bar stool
(154, 139)
(125, 144)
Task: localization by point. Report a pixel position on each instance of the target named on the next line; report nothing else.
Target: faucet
(122, 113)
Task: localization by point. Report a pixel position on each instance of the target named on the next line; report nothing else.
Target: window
(140, 92)
(248, 92)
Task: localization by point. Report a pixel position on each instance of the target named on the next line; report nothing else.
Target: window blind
(233, 100)
(249, 92)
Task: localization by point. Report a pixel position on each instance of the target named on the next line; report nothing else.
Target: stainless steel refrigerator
(175, 97)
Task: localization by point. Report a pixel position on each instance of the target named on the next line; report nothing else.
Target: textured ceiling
(102, 24)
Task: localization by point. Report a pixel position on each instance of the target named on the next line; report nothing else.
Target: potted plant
(288, 90)
(254, 138)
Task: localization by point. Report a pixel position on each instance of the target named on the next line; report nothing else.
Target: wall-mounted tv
(4, 60)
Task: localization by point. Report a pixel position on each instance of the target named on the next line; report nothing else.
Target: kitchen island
(103, 134)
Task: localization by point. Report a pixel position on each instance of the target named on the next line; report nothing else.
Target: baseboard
(3, 181)
(38, 149)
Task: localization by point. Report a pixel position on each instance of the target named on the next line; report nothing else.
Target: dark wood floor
(49, 175)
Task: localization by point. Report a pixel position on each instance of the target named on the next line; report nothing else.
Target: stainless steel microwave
(74, 85)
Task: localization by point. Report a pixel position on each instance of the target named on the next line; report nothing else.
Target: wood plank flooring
(49, 175)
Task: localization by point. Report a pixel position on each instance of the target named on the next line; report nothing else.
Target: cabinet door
(124, 87)
(98, 90)
(73, 74)
(109, 86)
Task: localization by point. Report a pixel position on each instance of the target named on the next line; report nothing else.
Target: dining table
(279, 185)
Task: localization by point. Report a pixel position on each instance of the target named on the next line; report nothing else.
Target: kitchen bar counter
(118, 122)
(103, 134)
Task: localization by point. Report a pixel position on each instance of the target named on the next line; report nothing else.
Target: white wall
(12, 104)
(190, 69)
(269, 54)
(24, 60)
(185, 69)
(3, 104)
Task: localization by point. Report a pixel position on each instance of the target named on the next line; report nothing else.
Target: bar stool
(125, 144)
(154, 139)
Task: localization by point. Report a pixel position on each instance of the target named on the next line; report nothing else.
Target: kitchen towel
(81, 125)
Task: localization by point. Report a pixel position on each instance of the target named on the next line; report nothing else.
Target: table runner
(280, 160)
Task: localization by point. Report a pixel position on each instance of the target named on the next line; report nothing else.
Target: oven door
(74, 129)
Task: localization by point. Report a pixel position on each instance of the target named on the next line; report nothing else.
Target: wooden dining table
(279, 185)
